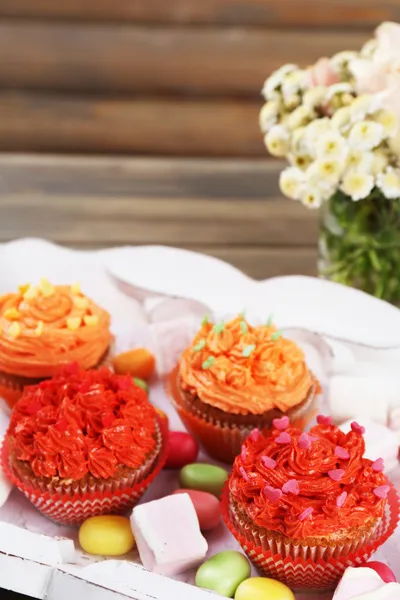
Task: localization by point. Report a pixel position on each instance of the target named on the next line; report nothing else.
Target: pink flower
(322, 73)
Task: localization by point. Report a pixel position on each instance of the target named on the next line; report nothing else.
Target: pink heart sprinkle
(313, 438)
(291, 487)
(340, 500)
(269, 463)
(357, 428)
(306, 513)
(255, 435)
(378, 465)
(243, 454)
(282, 423)
(322, 420)
(244, 474)
(382, 491)
(272, 494)
(342, 453)
(304, 441)
(336, 474)
(283, 438)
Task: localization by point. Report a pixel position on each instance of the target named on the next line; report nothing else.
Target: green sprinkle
(243, 326)
(141, 383)
(269, 322)
(206, 319)
(275, 336)
(219, 327)
(199, 346)
(207, 363)
(248, 350)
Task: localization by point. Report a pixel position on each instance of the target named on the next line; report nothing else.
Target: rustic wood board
(228, 208)
(115, 58)
(308, 13)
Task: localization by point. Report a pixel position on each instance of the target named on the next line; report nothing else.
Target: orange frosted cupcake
(235, 378)
(45, 327)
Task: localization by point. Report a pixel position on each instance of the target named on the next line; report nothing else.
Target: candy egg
(223, 572)
(182, 449)
(141, 383)
(138, 363)
(260, 588)
(107, 535)
(207, 508)
(383, 571)
(204, 477)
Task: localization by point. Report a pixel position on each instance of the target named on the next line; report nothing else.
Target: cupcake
(43, 328)
(234, 378)
(305, 506)
(83, 443)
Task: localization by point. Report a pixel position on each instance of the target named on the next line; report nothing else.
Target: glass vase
(359, 244)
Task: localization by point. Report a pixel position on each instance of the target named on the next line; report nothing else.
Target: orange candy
(137, 363)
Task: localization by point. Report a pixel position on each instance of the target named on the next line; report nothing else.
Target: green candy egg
(204, 477)
(223, 572)
(141, 383)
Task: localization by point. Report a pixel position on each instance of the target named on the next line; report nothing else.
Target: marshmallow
(362, 582)
(380, 442)
(167, 535)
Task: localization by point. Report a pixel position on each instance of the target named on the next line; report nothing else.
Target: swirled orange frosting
(44, 327)
(244, 370)
(82, 422)
(306, 485)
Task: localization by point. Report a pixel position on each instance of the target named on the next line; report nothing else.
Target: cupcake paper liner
(310, 567)
(221, 440)
(70, 504)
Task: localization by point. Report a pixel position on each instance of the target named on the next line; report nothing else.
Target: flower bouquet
(337, 124)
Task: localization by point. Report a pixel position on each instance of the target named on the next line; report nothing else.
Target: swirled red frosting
(83, 422)
(308, 485)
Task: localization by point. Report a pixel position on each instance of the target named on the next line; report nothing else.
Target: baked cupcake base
(303, 567)
(68, 502)
(222, 434)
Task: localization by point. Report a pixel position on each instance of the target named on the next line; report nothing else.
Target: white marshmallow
(380, 442)
(362, 583)
(167, 535)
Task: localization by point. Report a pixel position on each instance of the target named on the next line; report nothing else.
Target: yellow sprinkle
(81, 302)
(39, 329)
(75, 288)
(46, 288)
(31, 293)
(74, 323)
(91, 320)
(12, 314)
(24, 288)
(14, 330)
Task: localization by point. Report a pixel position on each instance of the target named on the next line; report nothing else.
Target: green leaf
(275, 336)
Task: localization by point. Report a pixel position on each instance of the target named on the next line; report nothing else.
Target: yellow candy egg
(107, 535)
(261, 588)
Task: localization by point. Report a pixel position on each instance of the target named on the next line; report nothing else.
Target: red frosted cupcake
(83, 443)
(299, 500)
(236, 377)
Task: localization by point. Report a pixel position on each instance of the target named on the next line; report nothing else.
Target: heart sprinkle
(304, 441)
(291, 487)
(269, 463)
(306, 513)
(281, 424)
(255, 435)
(244, 474)
(342, 453)
(272, 494)
(357, 428)
(381, 491)
(340, 500)
(378, 465)
(323, 420)
(243, 454)
(336, 474)
(283, 438)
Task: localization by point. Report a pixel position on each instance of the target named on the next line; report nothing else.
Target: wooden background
(136, 121)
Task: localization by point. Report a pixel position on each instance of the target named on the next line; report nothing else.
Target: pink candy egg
(383, 571)
(207, 507)
(182, 450)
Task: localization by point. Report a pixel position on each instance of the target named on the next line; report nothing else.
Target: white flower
(269, 115)
(293, 102)
(380, 160)
(277, 141)
(332, 145)
(389, 183)
(360, 160)
(340, 60)
(314, 131)
(276, 79)
(339, 88)
(298, 141)
(325, 173)
(341, 120)
(315, 96)
(366, 135)
(300, 117)
(294, 82)
(302, 161)
(368, 50)
(357, 185)
(389, 121)
(363, 106)
(312, 197)
(291, 181)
